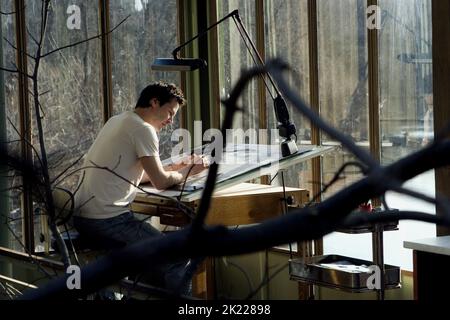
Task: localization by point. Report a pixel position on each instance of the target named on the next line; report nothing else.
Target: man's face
(165, 113)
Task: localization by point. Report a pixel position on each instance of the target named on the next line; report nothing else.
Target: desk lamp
(285, 126)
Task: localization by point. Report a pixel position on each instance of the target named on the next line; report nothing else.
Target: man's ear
(154, 102)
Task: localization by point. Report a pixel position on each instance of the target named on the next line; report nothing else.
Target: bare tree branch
(6, 13)
(21, 72)
(417, 195)
(186, 209)
(32, 37)
(83, 41)
(336, 177)
(45, 92)
(73, 164)
(11, 12)
(48, 194)
(15, 48)
(9, 70)
(36, 262)
(362, 218)
(26, 141)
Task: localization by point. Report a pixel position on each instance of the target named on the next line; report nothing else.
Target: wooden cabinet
(431, 264)
(242, 204)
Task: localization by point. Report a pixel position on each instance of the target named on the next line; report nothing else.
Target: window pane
(406, 86)
(343, 73)
(286, 35)
(343, 89)
(149, 32)
(70, 84)
(234, 57)
(406, 112)
(11, 204)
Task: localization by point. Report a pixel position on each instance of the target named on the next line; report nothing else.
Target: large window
(286, 37)
(69, 83)
(406, 113)
(405, 109)
(343, 79)
(149, 32)
(343, 74)
(10, 200)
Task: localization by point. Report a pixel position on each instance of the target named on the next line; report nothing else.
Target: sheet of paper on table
(237, 159)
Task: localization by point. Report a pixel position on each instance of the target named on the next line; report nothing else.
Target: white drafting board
(241, 163)
(237, 159)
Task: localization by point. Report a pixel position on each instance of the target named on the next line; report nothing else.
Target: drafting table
(228, 185)
(234, 201)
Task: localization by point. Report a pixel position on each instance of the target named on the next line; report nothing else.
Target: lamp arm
(176, 51)
(238, 20)
(286, 127)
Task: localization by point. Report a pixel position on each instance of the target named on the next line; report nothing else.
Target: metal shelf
(367, 228)
(347, 273)
(340, 272)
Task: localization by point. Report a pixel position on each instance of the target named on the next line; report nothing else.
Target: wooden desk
(242, 204)
(431, 259)
(245, 203)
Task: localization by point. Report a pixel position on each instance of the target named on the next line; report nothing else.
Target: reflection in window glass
(406, 112)
(10, 86)
(286, 37)
(149, 32)
(406, 87)
(234, 58)
(343, 73)
(71, 80)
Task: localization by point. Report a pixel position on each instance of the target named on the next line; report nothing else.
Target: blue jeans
(125, 229)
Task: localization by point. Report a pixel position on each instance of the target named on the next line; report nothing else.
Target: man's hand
(186, 162)
(197, 168)
(162, 179)
(197, 165)
(174, 167)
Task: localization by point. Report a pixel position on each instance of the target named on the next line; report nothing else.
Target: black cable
(271, 180)
(252, 294)
(336, 177)
(245, 273)
(286, 208)
(214, 276)
(184, 183)
(383, 200)
(71, 245)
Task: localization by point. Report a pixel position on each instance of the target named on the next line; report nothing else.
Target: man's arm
(170, 167)
(162, 179)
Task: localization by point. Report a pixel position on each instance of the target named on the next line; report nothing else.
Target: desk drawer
(237, 209)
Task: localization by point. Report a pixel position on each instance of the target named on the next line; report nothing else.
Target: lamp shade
(182, 64)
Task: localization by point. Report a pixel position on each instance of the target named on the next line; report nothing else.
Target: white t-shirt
(122, 141)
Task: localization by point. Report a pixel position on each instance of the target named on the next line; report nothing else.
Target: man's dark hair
(162, 91)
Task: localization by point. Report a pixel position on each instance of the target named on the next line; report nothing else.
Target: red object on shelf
(367, 206)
